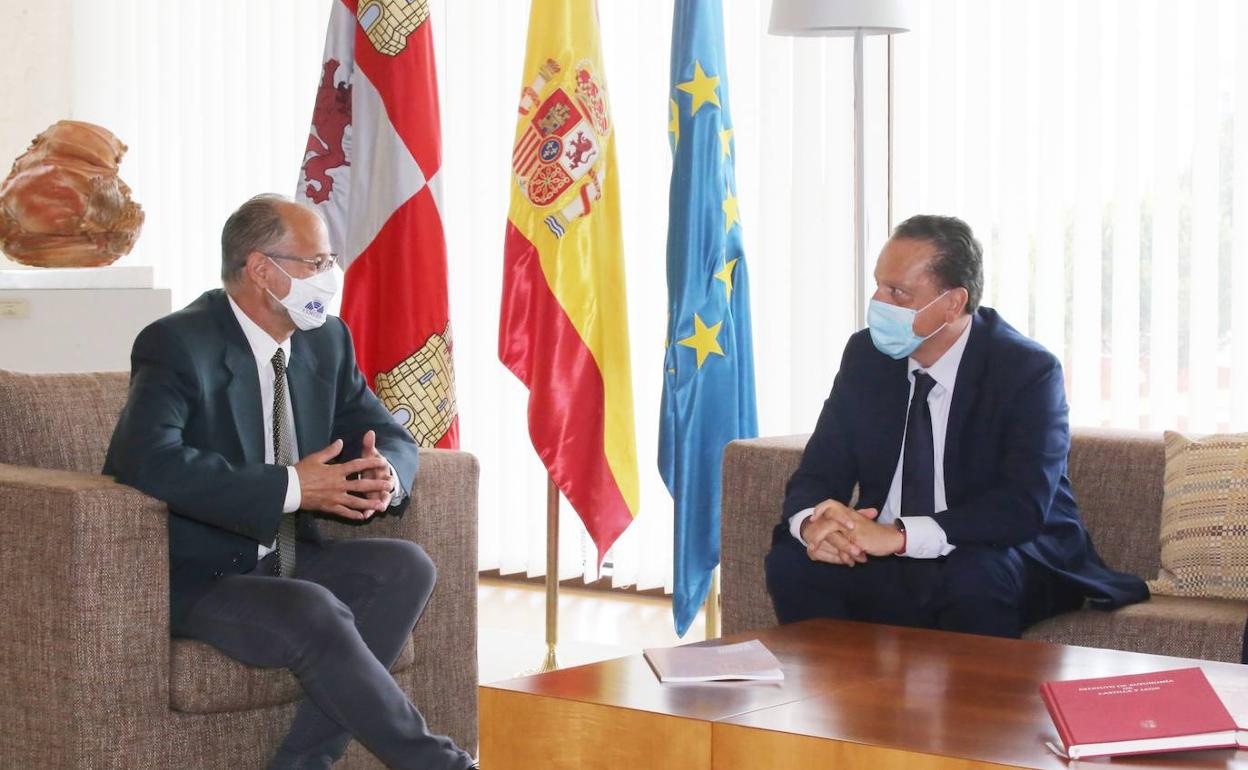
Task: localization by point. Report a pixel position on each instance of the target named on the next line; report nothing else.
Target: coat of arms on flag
(562, 143)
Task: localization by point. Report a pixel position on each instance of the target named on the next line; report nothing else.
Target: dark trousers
(338, 625)
(977, 590)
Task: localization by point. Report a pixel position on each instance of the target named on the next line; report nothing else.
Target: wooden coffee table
(854, 695)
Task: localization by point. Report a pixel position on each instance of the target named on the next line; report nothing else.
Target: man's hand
(864, 533)
(327, 489)
(827, 534)
(838, 534)
(877, 539)
(370, 450)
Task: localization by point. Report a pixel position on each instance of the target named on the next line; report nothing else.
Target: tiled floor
(593, 626)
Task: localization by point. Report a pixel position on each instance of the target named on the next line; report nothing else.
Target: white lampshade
(834, 18)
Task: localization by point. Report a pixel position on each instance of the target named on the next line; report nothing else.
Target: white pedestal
(75, 320)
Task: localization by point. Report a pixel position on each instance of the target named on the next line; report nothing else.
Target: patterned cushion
(1204, 518)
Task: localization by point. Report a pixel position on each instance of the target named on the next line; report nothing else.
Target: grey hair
(257, 225)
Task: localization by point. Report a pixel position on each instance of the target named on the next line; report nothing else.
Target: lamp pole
(841, 18)
(860, 189)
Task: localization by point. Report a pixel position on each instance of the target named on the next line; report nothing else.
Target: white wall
(36, 41)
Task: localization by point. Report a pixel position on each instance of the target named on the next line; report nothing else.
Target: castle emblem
(420, 390)
(389, 23)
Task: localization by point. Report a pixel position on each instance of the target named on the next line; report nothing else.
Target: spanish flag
(563, 327)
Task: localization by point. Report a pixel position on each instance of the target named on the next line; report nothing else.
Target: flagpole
(712, 607)
(552, 577)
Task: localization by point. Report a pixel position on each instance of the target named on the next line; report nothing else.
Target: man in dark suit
(248, 415)
(953, 427)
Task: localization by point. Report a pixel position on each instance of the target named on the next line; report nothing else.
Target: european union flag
(708, 382)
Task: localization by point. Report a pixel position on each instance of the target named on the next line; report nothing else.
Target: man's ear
(256, 268)
(958, 299)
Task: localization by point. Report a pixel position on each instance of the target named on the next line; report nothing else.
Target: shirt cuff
(795, 524)
(396, 495)
(925, 539)
(294, 495)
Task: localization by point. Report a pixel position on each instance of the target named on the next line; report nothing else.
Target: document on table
(747, 661)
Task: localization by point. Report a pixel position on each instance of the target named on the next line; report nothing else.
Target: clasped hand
(838, 534)
(327, 487)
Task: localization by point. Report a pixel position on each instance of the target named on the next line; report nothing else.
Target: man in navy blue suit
(953, 426)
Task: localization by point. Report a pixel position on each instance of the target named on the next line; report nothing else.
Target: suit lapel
(243, 389)
(311, 397)
(965, 394)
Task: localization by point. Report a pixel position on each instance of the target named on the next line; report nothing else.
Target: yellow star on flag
(703, 89)
(704, 339)
(725, 143)
(725, 275)
(730, 212)
(673, 126)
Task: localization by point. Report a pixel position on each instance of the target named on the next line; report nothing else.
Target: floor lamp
(842, 18)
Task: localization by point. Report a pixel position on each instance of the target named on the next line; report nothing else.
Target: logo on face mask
(892, 328)
(308, 297)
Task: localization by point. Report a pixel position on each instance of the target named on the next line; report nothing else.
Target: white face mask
(308, 300)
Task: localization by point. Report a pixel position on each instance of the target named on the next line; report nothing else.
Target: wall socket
(14, 308)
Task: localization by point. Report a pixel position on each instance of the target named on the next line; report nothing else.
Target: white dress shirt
(925, 539)
(262, 348)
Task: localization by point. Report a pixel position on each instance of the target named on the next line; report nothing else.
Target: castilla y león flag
(563, 326)
(372, 169)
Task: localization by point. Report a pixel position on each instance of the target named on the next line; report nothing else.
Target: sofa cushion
(59, 421)
(1204, 518)
(205, 681)
(1209, 629)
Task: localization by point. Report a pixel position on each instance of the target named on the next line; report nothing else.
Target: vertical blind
(1089, 143)
(1092, 146)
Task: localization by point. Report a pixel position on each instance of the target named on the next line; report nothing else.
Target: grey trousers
(338, 625)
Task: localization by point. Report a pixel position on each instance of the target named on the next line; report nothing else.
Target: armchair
(91, 676)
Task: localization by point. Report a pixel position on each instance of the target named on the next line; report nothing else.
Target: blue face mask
(892, 328)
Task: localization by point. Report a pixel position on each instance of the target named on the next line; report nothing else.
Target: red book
(1138, 714)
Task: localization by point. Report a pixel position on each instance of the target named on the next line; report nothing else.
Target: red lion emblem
(581, 147)
(330, 118)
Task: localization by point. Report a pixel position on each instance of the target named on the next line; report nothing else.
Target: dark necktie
(283, 454)
(918, 479)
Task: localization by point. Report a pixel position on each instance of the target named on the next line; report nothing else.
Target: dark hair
(959, 260)
(257, 225)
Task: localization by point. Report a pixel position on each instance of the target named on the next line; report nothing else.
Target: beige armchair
(90, 677)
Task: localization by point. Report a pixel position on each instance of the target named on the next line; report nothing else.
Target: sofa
(1117, 477)
(91, 678)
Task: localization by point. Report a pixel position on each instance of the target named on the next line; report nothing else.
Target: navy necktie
(918, 473)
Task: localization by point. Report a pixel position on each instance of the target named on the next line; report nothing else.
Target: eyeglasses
(319, 264)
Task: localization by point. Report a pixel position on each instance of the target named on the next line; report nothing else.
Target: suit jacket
(1006, 446)
(191, 434)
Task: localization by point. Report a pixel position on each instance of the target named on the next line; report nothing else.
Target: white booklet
(746, 660)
